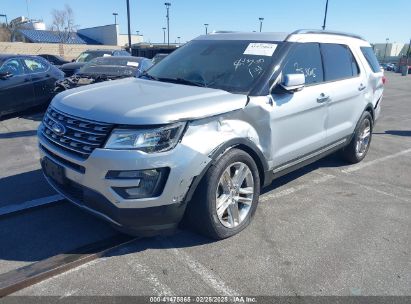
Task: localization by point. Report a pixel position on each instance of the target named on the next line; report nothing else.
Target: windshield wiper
(147, 75)
(183, 81)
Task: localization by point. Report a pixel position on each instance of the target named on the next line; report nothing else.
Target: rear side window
(371, 59)
(35, 65)
(306, 59)
(339, 62)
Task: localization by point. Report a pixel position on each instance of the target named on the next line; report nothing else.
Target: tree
(63, 23)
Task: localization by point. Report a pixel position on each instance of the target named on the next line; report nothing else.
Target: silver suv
(201, 132)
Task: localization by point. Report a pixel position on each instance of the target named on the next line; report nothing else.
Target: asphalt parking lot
(328, 229)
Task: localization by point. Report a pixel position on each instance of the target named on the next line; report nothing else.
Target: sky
(372, 19)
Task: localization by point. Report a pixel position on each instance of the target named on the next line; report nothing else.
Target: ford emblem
(58, 129)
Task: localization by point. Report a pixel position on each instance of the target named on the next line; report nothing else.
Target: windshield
(232, 66)
(111, 66)
(88, 56)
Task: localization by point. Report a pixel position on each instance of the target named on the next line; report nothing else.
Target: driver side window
(306, 59)
(12, 66)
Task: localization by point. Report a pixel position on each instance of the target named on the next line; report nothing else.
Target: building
(109, 35)
(390, 51)
(34, 31)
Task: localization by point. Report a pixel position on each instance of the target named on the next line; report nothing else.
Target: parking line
(363, 165)
(206, 275)
(12, 208)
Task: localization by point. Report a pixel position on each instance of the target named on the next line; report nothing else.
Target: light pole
(138, 33)
(386, 45)
(261, 23)
(168, 4)
(5, 16)
(128, 24)
(164, 35)
(115, 18)
(325, 15)
(206, 28)
(179, 41)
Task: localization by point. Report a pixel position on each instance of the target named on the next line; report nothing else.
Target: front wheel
(358, 147)
(226, 198)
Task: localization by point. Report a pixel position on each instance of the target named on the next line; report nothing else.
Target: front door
(298, 119)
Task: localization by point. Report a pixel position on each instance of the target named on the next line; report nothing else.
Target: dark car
(104, 69)
(25, 82)
(54, 59)
(73, 67)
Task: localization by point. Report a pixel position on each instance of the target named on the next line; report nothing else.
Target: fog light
(149, 183)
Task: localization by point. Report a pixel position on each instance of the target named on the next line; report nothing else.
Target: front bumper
(86, 184)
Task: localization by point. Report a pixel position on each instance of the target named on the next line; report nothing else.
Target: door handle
(323, 98)
(361, 87)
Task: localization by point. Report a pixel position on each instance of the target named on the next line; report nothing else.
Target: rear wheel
(358, 147)
(226, 198)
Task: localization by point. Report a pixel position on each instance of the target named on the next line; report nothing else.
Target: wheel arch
(369, 108)
(243, 144)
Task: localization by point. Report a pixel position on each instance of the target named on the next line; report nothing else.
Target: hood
(72, 65)
(134, 101)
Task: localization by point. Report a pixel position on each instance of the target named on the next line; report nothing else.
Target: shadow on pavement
(24, 187)
(396, 133)
(35, 114)
(18, 134)
(331, 161)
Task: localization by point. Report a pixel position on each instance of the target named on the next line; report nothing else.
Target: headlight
(149, 141)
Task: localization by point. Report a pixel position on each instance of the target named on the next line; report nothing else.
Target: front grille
(81, 136)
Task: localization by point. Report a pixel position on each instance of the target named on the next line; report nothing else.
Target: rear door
(16, 92)
(374, 76)
(43, 82)
(346, 86)
(298, 119)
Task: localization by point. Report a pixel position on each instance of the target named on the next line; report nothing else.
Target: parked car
(54, 59)
(73, 67)
(25, 82)
(104, 69)
(201, 132)
(158, 57)
(388, 66)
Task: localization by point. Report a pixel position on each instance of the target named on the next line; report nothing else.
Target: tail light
(384, 79)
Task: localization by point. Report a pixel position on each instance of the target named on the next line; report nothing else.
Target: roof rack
(223, 32)
(326, 32)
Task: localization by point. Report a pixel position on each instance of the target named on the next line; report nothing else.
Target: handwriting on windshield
(308, 72)
(252, 65)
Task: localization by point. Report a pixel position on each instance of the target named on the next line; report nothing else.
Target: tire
(358, 147)
(215, 188)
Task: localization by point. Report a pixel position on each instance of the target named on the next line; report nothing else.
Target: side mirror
(293, 82)
(5, 75)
